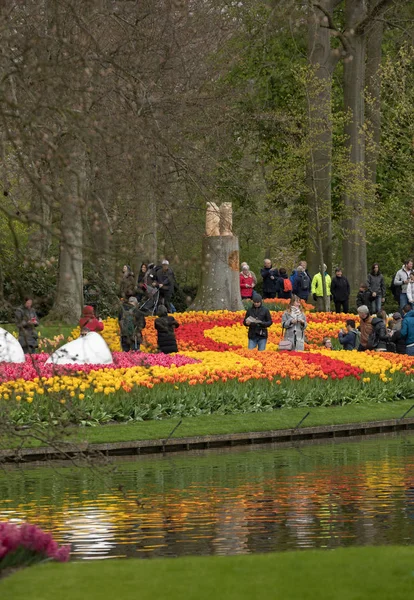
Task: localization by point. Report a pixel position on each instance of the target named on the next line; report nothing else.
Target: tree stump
(220, 281)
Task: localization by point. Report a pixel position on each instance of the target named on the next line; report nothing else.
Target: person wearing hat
(131, 323)
(164, 279)
(165, 326)
(365, 327)
(258, 320)
(395, 327)
(340, 290)
(88, 321)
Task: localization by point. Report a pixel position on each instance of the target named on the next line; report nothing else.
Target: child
(327, 343)
(363, 296)
(349, 337)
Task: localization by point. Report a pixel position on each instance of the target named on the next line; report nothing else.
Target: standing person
(294, 324)
(365, 327)
(407, 329)
(127, 285)
(304, 266)
(376, 288)
(340, 291)
(349, 337)
(163, 279)
(401, 280)
(258, 320)
(301, 283)
(270, 277)
(131, 323)
(410, 290)
(166, 326)
(142, 284)
(246, 283)
(363, 296)
(317, 289)
(250, 271)
(284, 285)
(395, 326)
(88, 321)
(27, 321)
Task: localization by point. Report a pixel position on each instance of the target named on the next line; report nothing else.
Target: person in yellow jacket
(317, 290)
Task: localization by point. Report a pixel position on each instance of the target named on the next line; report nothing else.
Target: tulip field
(213, 372)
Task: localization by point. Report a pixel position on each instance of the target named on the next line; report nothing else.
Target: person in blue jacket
(407, 328)
(349, 338)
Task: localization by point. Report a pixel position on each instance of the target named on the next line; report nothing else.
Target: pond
(234, 502)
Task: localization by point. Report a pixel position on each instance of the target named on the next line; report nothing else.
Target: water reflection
(261, 501)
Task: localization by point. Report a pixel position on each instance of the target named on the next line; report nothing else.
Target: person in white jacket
(401, 280)
(410, 290)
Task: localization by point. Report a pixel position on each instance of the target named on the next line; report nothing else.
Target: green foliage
(231, 398)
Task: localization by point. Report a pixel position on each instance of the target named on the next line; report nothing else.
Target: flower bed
(213, 364)
(23, 545)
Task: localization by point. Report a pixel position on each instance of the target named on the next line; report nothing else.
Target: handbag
(285, 344)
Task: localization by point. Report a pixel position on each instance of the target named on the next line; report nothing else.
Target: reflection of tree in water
(225, 504)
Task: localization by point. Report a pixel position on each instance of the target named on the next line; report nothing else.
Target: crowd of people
(376, 331)
(154, 285)
(372, 292)
(152, 290)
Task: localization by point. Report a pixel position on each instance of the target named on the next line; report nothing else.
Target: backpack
(395, 289)
(127, 323)
(373, 340)
(303, 282)
(357, 337)
(287, 285)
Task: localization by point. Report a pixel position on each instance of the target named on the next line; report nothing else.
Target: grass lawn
(283, 418)
(46, 331)
(381, 573)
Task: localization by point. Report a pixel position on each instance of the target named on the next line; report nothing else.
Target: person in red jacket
(246, 283)
(88, 322)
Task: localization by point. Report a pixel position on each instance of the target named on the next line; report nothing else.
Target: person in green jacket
(317, 290)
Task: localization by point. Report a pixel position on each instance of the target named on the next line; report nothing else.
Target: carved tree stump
(220, 281)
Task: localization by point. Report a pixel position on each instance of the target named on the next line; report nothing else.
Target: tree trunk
(40, 237)
(69, 294)
(354, 242)
(220, 281)
(322, 61)
(374, 36)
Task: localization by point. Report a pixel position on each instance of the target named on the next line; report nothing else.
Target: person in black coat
(163, 278)
(269, 276)
(257, 319)
(363, 296)
(284, 285)
(340, 291)
(166, 326)
(395, 326)
(27, 322)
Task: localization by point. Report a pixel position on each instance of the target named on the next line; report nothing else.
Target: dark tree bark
(220, 281)
(374, 35)
(354, 242)
(322, 60)
(69, 294)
